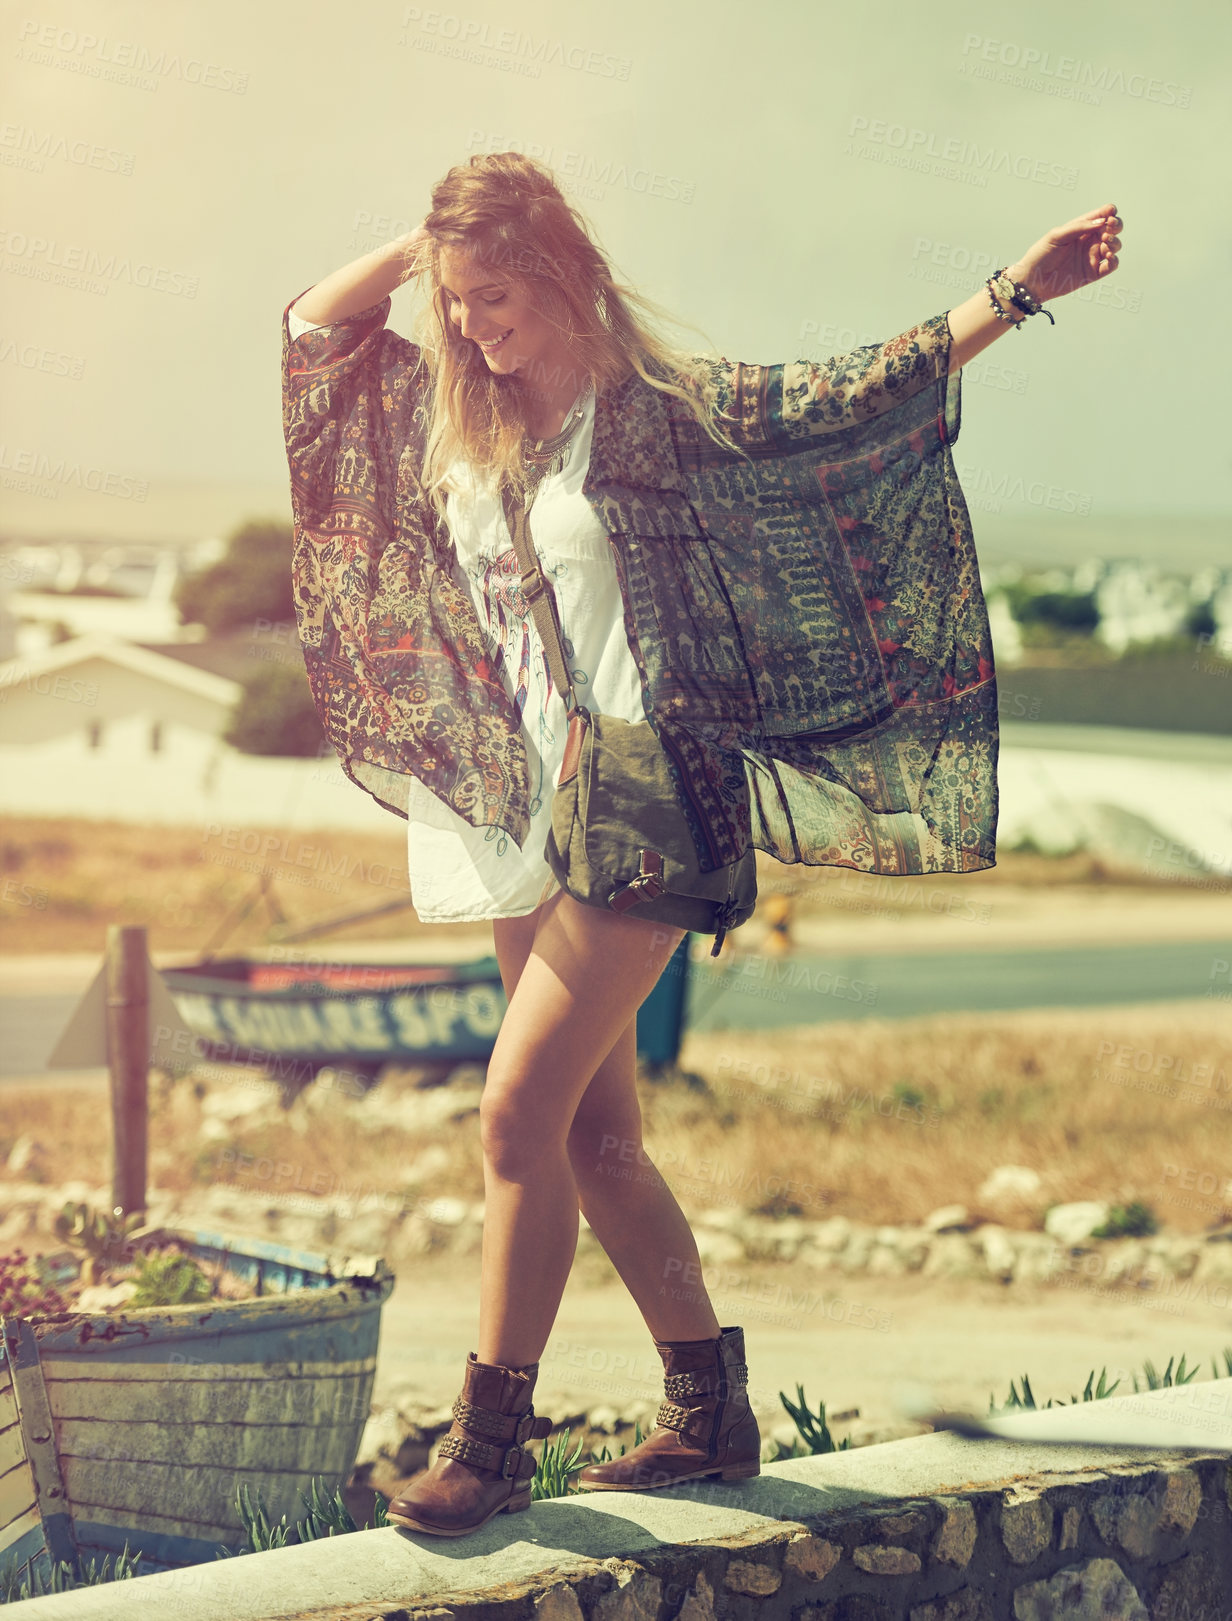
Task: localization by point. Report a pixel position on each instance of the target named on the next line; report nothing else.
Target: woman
(807, 635)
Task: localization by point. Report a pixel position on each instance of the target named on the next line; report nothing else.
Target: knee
(516, 1140)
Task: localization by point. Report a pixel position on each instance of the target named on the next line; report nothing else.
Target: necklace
(543, 457)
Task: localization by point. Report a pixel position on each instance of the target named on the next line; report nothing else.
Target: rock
(1071, 1522)
(748, 1576)
(389, 1439)
(1143, 1522)
(1037, 1258)
(28, 1158)
(947, 1219)
(1073, 1223)
(1008, 1183)
(831, 1234)
(881, 1560)
(1000, 1256)
(954, 1542)
(886, 1261)
(913, 1246)
(698, 1601)
(951, 1255)
(811, 1557)
(1191, 1587)
(857, 1251)
(635, 1596)
(105, 1297)
(967, 1604)
(1098, 1590)
(559, 1603)
(1026, 1528)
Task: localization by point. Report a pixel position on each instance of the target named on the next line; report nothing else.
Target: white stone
(1073, 1223)
(1000, 1256)
(1010, 1182)
(25, 1153)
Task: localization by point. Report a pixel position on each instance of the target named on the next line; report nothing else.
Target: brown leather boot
(708, 1427)
(482, 1465)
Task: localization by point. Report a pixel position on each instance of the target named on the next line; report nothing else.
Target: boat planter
(138, 1425)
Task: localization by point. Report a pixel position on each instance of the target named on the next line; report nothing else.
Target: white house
(107, 730)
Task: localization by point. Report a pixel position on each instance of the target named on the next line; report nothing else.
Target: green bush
(251, 581)
(275, 714)
(1134, 1220)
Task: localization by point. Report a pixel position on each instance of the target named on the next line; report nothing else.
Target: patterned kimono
(806, 617)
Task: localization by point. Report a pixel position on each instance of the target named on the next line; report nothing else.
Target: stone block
(635, 1597)
(967, 1604)
(559, 1603)
(698, 1601)
(751, 1577)
(1026, 1528)
(1071, 1522)
(810, 1557)
(1191, 1587)
(1097, 1590)
(954, 1542)
(880, 1559)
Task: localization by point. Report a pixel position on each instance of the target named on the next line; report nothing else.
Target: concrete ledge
(933, 1528)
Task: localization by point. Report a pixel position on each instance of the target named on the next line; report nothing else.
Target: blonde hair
(505, 210)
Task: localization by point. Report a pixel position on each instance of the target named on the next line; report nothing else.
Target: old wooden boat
(136, 1426)
(296, 1018)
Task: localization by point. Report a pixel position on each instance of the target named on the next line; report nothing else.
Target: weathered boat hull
(137, 1427)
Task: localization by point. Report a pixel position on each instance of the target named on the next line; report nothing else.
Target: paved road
(758, 992)
(761, 992)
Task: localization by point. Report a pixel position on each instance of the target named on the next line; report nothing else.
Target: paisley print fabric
(805, 613)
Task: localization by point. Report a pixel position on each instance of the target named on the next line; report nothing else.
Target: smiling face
(507, 332)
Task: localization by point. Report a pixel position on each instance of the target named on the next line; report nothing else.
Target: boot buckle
(510, 1462)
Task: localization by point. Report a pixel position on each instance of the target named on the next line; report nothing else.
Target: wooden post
(128, 1057)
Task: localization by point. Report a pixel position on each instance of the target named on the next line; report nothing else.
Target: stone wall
(938, 1527)
(1137, 1543)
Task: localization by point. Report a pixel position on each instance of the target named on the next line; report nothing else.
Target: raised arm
(790, 404)
(1063, 260)
(363, 282)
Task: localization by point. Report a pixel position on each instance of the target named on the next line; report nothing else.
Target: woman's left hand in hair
(1071, 256)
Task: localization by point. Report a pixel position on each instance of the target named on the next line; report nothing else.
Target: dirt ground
(965, 1340)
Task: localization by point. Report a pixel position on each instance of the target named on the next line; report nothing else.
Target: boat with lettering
(296, 1017)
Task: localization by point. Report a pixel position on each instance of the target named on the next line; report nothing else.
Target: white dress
(459, 873)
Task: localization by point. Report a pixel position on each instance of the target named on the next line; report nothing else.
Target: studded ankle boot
(483, 1466)
(705, 1427)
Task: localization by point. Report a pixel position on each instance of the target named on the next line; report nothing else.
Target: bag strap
(539, 594)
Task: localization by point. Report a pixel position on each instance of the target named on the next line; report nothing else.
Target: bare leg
(636, 1219)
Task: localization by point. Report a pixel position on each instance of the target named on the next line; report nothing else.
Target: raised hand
(1071, 256)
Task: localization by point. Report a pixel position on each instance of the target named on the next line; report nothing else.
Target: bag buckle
(647, 886)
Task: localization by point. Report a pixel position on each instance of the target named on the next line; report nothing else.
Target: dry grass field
(879, 1121)
(875, 1119)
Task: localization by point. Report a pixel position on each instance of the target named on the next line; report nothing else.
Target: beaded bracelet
(1021, 299)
